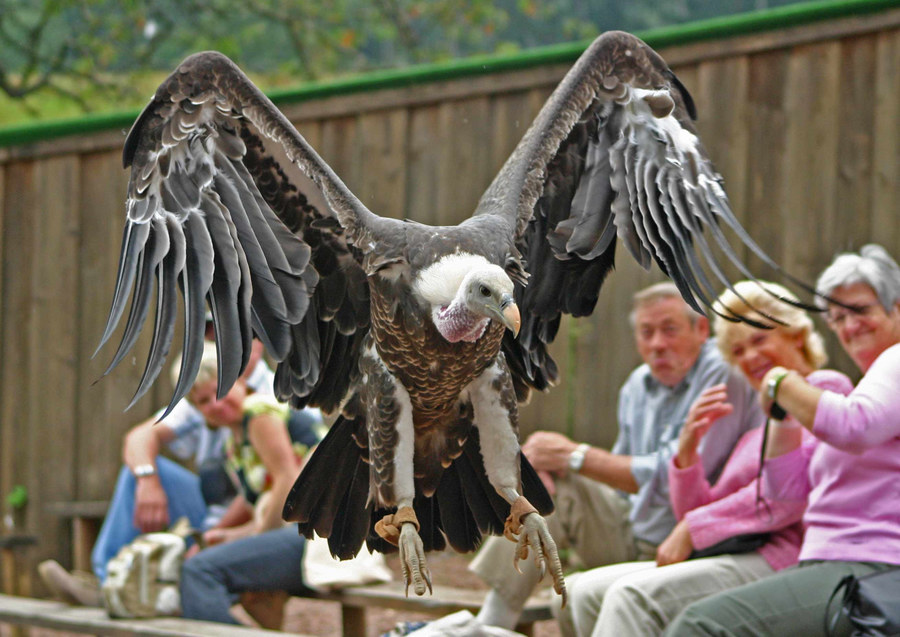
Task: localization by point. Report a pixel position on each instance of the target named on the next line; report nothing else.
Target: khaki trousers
(639, 598)
(590, 518)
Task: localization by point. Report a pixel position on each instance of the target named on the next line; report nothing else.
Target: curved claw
(412, 560)
(535, 533)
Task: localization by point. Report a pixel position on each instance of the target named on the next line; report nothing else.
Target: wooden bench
(15, 581)
(355, 599)
(86, 516)
(25, 611)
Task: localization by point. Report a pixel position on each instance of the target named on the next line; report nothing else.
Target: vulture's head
(465, 293)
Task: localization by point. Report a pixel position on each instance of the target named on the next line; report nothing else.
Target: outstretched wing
(612, 154)
(229, 205)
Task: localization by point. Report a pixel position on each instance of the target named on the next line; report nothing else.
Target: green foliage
(88, 55)
(17, 498)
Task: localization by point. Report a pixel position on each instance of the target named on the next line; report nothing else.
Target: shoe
(404, 628)
(74, 588)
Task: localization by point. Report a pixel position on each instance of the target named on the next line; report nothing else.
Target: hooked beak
(509, 314)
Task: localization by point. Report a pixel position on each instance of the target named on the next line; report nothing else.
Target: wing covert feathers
(613, 154)
(220, 183)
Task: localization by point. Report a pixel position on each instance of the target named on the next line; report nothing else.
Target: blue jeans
(269, 561)
(185, 499)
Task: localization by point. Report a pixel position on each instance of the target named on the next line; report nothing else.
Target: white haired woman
(640, 599)
(849, 472)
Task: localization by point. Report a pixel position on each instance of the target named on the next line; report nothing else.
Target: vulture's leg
(391, 450)
(497, 418)
(412, 551)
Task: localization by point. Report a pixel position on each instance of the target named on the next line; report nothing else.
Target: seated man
(614, 506)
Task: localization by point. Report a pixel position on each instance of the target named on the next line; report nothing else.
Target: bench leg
(353, 619)
(84, 534)
(13, 585)
(526, 628)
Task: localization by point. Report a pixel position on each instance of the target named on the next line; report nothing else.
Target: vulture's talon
(546, 555)
(412, 560)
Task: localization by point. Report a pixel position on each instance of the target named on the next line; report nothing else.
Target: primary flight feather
(423, 338)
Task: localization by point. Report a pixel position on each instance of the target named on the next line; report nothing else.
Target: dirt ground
(323, 619)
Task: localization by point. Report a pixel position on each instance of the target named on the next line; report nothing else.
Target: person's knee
(194, 571)
(626, 597)
(690, 622)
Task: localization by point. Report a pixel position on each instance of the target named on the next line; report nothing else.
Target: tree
(94, 52)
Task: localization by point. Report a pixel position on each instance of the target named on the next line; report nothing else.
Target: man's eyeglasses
(836, 317)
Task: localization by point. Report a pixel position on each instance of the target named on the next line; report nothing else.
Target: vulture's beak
(509, 314)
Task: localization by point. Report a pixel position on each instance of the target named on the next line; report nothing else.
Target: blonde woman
(251, 550)
(849, 472)
(640, 598)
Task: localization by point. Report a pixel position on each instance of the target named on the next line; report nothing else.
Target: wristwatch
(772, 385)
(776, 411)
(144, 470)
(576, 458)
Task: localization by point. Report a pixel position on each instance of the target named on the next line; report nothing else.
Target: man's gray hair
(872, 266)
(658, 292)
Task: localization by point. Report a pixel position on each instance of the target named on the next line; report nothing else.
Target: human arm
(849, 419)
(711, 404)
(270, 439)
(549, 451)
(140, 448)
(235, 523)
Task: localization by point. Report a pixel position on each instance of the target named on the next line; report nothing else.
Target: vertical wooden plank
(7, 439)
(52, 341)
(721, 98)
(885, 186)
(423, 164)
(511, 115)
(382, 161)
(465, 161)
(312, 132)
(811, 105)
(765, 152)
(339, 149)
(855, 139)
(101, 417)
(15, 406)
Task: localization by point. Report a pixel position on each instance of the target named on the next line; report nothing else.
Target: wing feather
(223, 197)
(613, 146)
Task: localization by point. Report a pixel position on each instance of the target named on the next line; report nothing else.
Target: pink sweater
(851, 475)
(716, 513)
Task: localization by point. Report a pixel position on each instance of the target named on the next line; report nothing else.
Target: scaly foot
(412, 560)
(527, 528)
(402, 530)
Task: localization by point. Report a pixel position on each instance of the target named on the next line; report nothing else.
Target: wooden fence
(802, 123)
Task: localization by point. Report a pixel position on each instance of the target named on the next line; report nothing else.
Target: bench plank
(95, 621)
(445, 600)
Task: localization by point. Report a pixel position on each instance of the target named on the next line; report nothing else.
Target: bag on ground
(142, 579)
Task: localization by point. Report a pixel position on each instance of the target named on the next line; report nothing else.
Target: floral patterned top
(241, 460)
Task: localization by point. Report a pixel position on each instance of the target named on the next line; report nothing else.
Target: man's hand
(549, 452)
(710, 406)
(151, 506)
(677, 547)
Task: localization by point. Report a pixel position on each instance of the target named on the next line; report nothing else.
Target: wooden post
(353, 620)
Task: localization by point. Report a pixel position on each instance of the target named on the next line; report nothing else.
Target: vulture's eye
(484, 290)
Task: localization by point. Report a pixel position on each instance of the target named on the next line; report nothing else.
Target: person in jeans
(152, 491)
(251, 552)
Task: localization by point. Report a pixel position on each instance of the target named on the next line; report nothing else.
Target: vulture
(421, 339)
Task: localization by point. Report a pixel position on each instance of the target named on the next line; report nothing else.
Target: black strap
(759, 470)
(832, 624)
